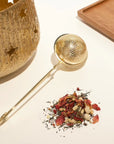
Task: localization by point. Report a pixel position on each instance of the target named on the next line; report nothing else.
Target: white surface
(57, 17)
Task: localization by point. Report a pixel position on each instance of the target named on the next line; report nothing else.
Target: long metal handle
(6, 116)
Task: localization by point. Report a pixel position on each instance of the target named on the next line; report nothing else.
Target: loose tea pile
(72, 110)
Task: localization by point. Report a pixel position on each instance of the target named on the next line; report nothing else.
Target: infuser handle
(19, 104)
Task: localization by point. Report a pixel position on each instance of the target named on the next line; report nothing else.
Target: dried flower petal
(96, 107)
(63, 98)
(95, 119)
(88, 102)
(54, 111)
(70, 124)
(60, 120)
(78, 89)
(78, 119)
(57, 106)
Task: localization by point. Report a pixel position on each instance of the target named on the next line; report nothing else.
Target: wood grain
(100, 15)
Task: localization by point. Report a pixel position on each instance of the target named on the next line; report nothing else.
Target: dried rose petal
(54, 111)
(64, 114)
(78, 119)
(62, 103)
(69, 113)
(71, 105)
(95, 119)
(88, 102)
(96, 107)
(60, 120)
(53, 125)
(70, 124)
(57, 106)
(78, 89)
(63, 98)
(78, 100)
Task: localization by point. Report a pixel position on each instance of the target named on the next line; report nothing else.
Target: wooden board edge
(92, 23)
(90, 6)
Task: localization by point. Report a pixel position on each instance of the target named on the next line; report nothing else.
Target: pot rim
(10, 7)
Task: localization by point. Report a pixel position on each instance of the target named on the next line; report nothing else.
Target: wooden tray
(100, 16)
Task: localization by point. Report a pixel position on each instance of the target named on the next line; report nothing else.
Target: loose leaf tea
(72, 110)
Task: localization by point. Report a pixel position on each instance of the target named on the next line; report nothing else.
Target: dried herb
(72, 110)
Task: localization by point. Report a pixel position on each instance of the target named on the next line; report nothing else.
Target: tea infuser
(71, 51)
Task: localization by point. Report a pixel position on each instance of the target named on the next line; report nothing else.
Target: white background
(25, 127)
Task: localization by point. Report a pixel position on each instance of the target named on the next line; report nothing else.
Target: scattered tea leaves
(71, 111)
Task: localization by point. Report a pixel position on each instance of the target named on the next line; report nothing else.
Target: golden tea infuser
(71, 51)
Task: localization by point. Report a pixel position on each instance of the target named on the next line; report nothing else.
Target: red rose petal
(71, 105)
(96, 107)
(95, 119)
(78, 119)
(64, 114)
(54, 111)
(60, 120)
(63, 98)
(70, 124)
(57, 106)
(78, 89)
(88, 102)
(78, 101)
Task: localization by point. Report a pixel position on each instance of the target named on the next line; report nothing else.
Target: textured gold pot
(19, 34)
